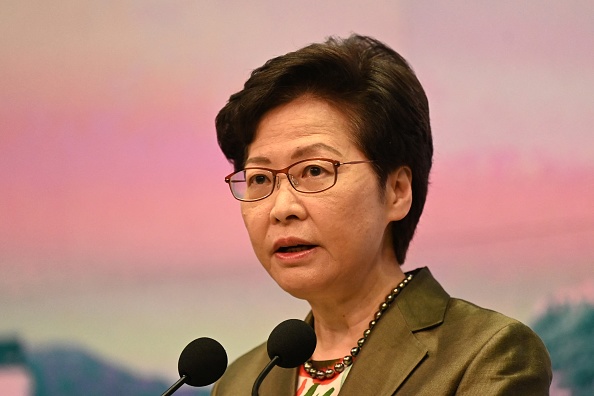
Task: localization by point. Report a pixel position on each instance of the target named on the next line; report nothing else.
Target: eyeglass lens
(306, 176)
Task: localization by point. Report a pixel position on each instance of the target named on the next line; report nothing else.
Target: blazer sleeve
(514, 361)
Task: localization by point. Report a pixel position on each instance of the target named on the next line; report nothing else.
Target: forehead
(299, 129)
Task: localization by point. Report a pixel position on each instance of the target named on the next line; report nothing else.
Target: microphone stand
(175, 386)
(262, 375)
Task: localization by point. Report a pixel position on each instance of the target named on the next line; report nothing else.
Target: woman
(332, 150)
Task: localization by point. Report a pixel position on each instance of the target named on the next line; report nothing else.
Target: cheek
(363, 214)
(255, 220)
(245, 213)
(338, 217)
(248, 216)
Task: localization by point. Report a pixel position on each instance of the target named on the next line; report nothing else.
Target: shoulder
(462, 314)
(507, 356)
(476, 327)
(479, 351)
(428, 308)
(468, 329)
(241, 374)
(470, 349)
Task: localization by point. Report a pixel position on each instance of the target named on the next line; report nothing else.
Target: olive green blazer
(425, 344)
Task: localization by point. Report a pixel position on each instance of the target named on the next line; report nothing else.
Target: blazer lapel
(387, 359)
(392, 351)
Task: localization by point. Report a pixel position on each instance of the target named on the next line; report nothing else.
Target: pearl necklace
(346, 361)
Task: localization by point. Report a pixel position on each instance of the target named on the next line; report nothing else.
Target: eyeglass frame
(275, 172)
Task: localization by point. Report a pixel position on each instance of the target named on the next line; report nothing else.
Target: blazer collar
(392, 352)
(423, 303)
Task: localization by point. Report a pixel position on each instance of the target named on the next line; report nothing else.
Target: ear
(399, 193)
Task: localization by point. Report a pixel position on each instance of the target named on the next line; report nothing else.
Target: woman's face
(325, 244)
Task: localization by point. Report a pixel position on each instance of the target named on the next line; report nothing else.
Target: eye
(316, 170)
(313, 170)
(258, 179)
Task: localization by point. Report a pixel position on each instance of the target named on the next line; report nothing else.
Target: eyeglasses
(307, 176)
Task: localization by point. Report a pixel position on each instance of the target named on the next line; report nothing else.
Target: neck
(340, 322)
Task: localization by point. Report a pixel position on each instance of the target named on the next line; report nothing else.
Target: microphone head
(203, 361)
(293, 341)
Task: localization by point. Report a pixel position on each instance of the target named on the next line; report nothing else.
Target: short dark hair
(371, 84)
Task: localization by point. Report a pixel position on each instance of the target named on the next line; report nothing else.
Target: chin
(301, 288)
(298, 293)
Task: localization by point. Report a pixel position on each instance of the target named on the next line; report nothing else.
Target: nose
(287, 204)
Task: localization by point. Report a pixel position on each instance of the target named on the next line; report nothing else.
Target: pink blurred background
(118, 233)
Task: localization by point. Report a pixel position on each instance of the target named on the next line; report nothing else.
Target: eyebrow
(299, 152)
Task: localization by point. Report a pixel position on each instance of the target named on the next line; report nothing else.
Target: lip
(289, 241)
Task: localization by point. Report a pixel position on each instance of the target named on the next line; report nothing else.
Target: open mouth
(295, 248)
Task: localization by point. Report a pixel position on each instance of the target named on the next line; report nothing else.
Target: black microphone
(202, 362)
(289, 345)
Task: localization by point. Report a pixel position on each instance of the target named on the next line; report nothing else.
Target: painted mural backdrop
(120, 243)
